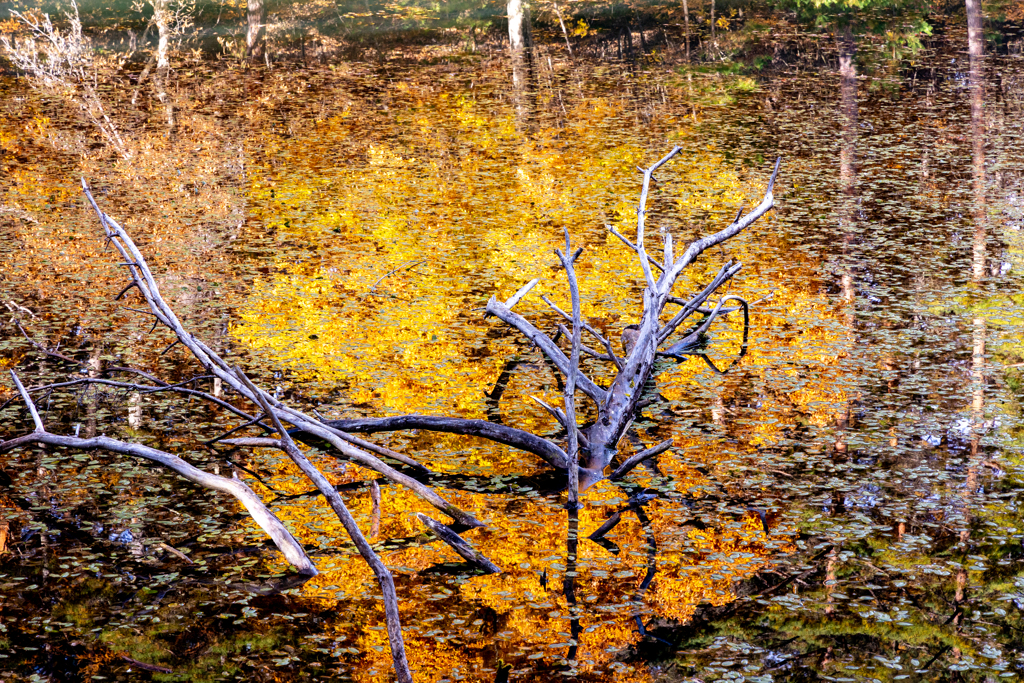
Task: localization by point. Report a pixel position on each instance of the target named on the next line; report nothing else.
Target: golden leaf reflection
(378, 288)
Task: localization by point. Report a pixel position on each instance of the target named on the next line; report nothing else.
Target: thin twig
(404, 266)
(560, 417)
(638, 458)
(28, 401)
(632, 246)
(597, 335)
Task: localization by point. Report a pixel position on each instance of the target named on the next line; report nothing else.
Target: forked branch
(266, 519)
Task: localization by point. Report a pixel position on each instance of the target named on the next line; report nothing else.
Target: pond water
(843, 504)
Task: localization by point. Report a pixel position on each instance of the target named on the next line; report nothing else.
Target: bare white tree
(173, 20)
(61, 61)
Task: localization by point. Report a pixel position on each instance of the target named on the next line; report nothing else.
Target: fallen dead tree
(584, 456)
(617, 404)
(269, 409)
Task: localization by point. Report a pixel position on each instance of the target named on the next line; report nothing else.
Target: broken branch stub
(458, 544)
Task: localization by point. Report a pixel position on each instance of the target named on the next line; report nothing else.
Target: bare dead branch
(593, 353)
(523, 291)
(560, 418)
(724, 275)
(548, 347)
(404, 266)
(384, 578)
(173, 344)
(379, 450)
(250, 423)
(282, 538)
(510, 436)
(641, 215)
(218, 367)
(697, 247)
(458, 544)
(571, 426)
(586, 326)
(625, 240)
(638, 458)
(125, 291)
(28, 402)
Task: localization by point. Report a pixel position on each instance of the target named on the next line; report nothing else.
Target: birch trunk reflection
(255, 35)
(162, 18)
(848, 208)
(976, 50)
(520, 47)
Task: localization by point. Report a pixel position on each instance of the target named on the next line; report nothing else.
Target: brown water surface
(843, 504)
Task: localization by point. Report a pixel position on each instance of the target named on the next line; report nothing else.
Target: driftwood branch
(523, 291)
(384, 578)
(458, 544)
(547, 347)
(594, 333)
(641, 216)
(215, 365)
(635, 460)
(571, 426)
(267, 521)
(697, 247)
(517, 438)
(691, 307)
(625, 240)
(560, 418)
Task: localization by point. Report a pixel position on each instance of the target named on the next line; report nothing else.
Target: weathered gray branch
(568, 259)
(548, 347)
(266, 519)
(641, 216)
(523, 291)
(597, 335)
(147, 286)
(625, 240)
(517, 438)
(697, 247)
(691, 307)
(638, 458)
(458, 544)
(384, 578)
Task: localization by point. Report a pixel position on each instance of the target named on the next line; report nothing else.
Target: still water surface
(843, 503)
